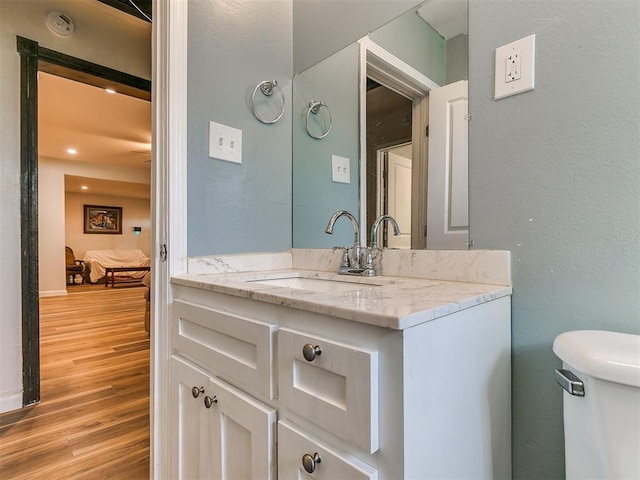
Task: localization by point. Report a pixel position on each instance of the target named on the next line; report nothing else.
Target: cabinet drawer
(237, 349)
(337, 390)
(330, 464)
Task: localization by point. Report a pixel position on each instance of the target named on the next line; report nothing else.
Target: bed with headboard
(115, 262)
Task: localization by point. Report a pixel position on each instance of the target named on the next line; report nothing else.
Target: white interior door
(448, 185)
(399, 195)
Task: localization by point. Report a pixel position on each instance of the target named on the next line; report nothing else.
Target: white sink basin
(316, 284)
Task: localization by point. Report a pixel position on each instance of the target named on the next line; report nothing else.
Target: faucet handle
(345, 256)
(368, 259)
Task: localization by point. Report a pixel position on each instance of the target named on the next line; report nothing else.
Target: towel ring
(314, 107)
(266, 87)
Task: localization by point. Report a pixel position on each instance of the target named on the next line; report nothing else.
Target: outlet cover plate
(340, 169)
(225, 143)
(523, 52)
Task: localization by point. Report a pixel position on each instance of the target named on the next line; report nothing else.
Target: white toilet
(601, 376)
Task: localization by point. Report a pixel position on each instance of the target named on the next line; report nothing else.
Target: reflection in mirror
(380, 116)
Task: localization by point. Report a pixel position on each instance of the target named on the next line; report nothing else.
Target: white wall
(50, 229)
(103, 36)
(51, 215)
(135, 212)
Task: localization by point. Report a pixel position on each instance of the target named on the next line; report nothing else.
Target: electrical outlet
(225, 143)
(340, 169)
(515, 67)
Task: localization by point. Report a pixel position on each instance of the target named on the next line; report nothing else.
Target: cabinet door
(243, 435)
(220, 434)
(337, 389)
(190, 422)
(328, 463)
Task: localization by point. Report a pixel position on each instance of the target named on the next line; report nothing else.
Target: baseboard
(11, 402)
(53, 293)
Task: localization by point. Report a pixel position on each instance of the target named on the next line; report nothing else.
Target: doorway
(439, 160)
(34, 59)
(394, 193)
(389, 161)
(411, 88)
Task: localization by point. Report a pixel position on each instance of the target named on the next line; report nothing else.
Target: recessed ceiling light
(110, 90)
(84, 187)
(72, 151)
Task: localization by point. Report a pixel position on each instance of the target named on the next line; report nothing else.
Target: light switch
(340, 169)
(515, 67)
(225, 143)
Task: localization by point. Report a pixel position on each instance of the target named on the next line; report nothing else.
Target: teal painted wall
(415, 42)
(555, 178)
(323, 27)
(315, 195)
(238, 208)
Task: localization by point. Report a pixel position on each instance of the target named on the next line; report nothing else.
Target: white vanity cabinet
(353, 399)
(219, 432)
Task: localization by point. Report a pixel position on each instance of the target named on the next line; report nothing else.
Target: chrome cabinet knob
(309, 352)
(208, 401)
(196, 391)
(309, 462)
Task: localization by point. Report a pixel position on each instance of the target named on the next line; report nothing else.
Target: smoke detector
(60, 24)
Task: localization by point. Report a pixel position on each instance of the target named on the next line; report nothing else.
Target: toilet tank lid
(609, 356)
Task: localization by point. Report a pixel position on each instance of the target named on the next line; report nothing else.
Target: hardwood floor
(93, 419)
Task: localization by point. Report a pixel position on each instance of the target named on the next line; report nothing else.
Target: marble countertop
(384, 301)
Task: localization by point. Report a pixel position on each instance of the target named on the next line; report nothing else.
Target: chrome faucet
(373, 244)
(351, 265)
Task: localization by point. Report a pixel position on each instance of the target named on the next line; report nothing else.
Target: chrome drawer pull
(570, 382)
(309, 352)
(309, 462)
(209, 401)
(195, 391)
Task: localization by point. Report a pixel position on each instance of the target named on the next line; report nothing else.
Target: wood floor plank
(93, 420)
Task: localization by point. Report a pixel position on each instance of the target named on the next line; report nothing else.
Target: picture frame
(103, 220)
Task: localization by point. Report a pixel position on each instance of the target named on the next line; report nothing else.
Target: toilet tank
(602, 427)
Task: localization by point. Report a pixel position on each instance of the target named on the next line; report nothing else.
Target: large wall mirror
(396, 114)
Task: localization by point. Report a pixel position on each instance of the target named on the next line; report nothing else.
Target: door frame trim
(169, 213)
(34, 58)
(390, 71)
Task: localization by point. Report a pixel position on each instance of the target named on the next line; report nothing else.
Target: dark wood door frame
(34, 58)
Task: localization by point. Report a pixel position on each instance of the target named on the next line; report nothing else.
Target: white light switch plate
(515, 67)
(225, 143)
(340, 169)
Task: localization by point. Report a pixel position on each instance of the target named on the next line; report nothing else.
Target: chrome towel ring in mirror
(267, 87)
(314, 107)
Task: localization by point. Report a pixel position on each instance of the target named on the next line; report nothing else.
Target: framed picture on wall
(99, 219)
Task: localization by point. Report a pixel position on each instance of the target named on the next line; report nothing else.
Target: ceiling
(138, 8)
(105, 128)
(448, 17)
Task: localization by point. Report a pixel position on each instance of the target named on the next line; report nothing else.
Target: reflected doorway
(394, 193)
(389, 161)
